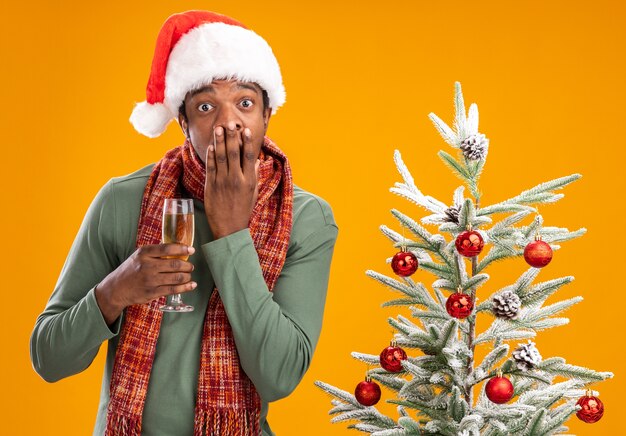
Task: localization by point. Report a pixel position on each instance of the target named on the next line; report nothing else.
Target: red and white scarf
(227, 402)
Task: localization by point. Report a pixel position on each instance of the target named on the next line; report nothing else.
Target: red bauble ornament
(391, 357)
(538, 253)
(592, 408)
(469, 243)
(404, 263)
(499, 389)
(367, 392)
(459, 305)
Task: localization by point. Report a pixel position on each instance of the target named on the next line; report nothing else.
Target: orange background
(361, 78)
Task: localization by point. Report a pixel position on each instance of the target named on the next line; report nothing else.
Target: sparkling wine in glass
(178, 228)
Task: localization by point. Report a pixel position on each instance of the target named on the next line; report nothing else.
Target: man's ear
(182, 122)
(267, 112)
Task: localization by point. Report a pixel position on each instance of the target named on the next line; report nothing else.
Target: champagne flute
(177, 227)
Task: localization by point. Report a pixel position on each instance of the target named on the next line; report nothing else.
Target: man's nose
(227, 115)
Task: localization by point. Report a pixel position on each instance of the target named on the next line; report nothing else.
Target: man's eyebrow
(206, 88)
(244, 85)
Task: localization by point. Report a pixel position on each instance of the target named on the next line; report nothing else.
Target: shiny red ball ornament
(469, 243)
(592, 408)
(499, 390)
(367, 392)
(538, 253)
(404, 263)
(459, 305)
(391, 357)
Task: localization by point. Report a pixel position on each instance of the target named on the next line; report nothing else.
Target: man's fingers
(232, 148)
(209, 160)
(173, 278)
(174, 265)
(221, 161)
(249, 158)
(166, 250)
(175, 289)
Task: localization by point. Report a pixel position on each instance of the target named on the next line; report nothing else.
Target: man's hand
(146, 275)
(231, 186)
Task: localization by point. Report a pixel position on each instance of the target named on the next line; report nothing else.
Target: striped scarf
(227, 401)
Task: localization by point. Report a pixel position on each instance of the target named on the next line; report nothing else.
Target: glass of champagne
(178, 228)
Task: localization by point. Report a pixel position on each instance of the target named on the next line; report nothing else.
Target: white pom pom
(150, 119)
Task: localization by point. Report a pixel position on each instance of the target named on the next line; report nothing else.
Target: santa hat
(192, 49)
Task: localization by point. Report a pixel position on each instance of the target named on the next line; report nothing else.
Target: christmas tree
(521, 393)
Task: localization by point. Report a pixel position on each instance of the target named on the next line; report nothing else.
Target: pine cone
(527, 356)
(452, 214)
(506, 304)
(475, 147)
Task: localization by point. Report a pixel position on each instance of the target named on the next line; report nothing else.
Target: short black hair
(266, 103)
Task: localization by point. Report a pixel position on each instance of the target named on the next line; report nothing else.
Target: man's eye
(204, 107)
(247, 103)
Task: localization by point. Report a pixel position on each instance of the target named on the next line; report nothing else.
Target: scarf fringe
(227, 422)
(119, 425)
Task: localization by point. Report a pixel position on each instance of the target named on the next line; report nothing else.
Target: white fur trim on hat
(150, 119)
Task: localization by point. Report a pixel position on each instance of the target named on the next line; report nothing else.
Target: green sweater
(275, 332)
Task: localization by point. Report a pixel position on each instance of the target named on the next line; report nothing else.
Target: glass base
(176, 308)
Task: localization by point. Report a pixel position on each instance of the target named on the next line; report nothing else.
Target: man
(257, 274)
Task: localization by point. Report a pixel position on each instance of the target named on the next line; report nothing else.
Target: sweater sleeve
(275, 332)
(70, 330)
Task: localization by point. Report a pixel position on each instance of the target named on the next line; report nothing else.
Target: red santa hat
(192, 49)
